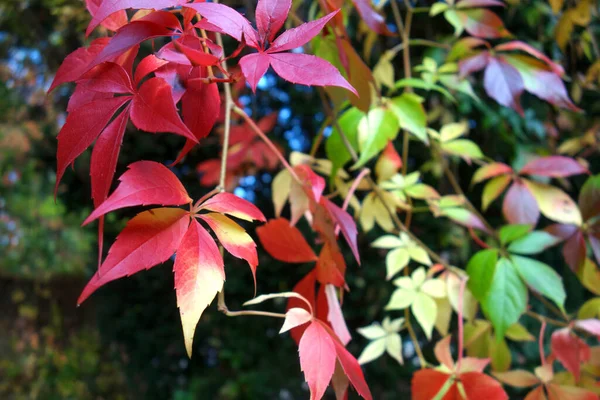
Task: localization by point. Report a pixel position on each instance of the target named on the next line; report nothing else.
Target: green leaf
(507, 298)
(541, 278)
(335, 149)
(375, 129)
(494, 188)
(421, 84)
(533, 243)
(510, 233)
(463, 147)
(411, 115)
(519, 333)
(481, 268)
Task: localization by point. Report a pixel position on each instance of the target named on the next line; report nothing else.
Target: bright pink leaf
(199, 276)
(76, 63)
(299, 36)
(108, 7)
(570, 350)
(254, 66)
(153, 110)
(591, 325)
(114, 21)
(144, 183)
(353, 371)
(195, 56)
(317, 358)
(285, 242)
(228, 21)
(374, 21)
(148, 239)
(105, 155)
(227, 203)
(81, 129)
(504, 84)
(270, 17)
(306, 288)
(554, 166)
(308, 70)
(519, 206)
(347, 225)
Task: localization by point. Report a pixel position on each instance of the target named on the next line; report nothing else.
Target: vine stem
(461, 296)
(544, 319)
(541, 344)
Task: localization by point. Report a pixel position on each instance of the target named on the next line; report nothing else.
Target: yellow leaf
(590, 309)
(519, 333)
(424, 309)
(493, 189)
(444, 316)
(556, 5)
(554, 203)
(500, 355)
(281, 190)
(395, 262)
(563, 29)
(401, 298)
(589, 275)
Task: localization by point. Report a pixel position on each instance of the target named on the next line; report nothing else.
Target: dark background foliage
(126, 342)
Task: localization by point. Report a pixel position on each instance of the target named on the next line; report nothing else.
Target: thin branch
(541, 344)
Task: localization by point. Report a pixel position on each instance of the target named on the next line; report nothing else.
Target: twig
(541, 343)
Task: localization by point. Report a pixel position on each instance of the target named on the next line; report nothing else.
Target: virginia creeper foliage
(364, 182)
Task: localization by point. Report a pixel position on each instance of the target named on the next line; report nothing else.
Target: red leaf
(374, 21)
(308, 70)
(306, 288)
(199, 276)
(299, 36)
(109, 7)
(503, 83)
(105, 155)
(135, 33)
(254, 66)
(270, 17)
(427, 383)
(81, 96)
(76, 63)
(481, 386)
(554, 166)
(519, 206)
(227, 203)
(353, 371)
(200, 109)
(148, 65)
(317, 359)
(81, 129)
(234, 238)
(107, 78)
(285, 242)
(347, 225)
(483, 23)
(330, 266)
(570, 350)
(574, 251)
(113, 22)
(196, 57)
(228, 21)
(153, 110)
(148, 239)
(144, 183)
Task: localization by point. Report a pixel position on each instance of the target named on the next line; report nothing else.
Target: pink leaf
(335, 315)
(153, 110)
(308, 70)
(299, 36)
(374, 21)
(76, 63)
(474, 63)
(554, 166)
(108, 7)
(144, 183)
(504, 84)
(591, 325)
(519, 206)
(254, 66)
(317, 359)
(195, 56)
(199, 276)
(148, 239)
(479, 3)
(228, 21)
(347, 225)
(270, 17)
(353, 371)
(285, 242)
(114, 21)
(491, 170)
(81, 129)
(133, 34)
(518, 45)
(227, 203)
(570, 350)
(105, 155)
